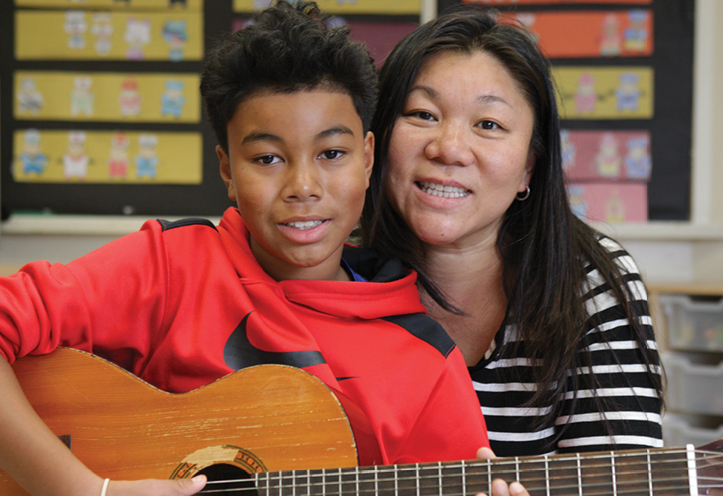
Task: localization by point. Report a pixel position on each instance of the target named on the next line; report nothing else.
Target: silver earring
(523, 195)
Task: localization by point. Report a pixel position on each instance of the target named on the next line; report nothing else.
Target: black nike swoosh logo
(239, 353)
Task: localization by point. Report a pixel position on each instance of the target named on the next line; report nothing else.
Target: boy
(181, 304)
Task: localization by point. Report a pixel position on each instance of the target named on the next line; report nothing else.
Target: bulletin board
(624, 76)
(99, 103)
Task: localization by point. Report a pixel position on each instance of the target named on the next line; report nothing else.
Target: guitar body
(264, 418)
(285, 430)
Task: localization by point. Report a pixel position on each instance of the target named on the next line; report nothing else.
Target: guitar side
(264, 418)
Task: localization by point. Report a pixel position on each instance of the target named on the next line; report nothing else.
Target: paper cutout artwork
(605, 92)
(606, 155)
(32, 159)
(111, 35)
(89, 156)
(589, 34)
(108, 97)
(609, 202)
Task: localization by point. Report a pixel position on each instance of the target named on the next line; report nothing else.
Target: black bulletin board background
(206, 199)
(671, 126)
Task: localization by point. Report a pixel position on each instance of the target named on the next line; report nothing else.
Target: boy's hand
(499, 486)
(153, 487)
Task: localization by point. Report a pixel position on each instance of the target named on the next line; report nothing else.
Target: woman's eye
(488, 125)
(425, 116)
(332, 154)
(267, 159)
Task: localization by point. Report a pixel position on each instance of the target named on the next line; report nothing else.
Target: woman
(468, 189)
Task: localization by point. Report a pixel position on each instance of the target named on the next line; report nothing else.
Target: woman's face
(460, 149)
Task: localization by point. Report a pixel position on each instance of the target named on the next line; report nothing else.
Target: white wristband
(105, 487)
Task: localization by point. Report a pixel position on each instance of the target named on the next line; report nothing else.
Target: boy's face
(298, 166)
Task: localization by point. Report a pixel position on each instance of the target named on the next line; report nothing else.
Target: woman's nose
(451, 145)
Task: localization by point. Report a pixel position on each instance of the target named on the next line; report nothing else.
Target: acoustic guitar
(273, 430)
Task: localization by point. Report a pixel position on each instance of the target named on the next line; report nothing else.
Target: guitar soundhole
(228, 480)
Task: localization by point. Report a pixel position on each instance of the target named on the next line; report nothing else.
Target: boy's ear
(368, 154)
(225, 169)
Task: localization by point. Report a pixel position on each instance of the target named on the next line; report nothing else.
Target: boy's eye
(267, 159)
(331, 154)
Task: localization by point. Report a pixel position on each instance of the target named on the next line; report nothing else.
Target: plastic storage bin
(678, 432)
(693, 324)
(693, 388)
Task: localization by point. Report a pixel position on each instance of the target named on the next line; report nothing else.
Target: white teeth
(304, 225)
(443, 191)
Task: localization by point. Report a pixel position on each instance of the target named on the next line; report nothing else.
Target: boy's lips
(303, 225)
(304, 231)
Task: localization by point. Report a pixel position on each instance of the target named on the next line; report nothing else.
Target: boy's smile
(298, 166)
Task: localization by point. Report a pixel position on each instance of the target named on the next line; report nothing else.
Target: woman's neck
(471, 279)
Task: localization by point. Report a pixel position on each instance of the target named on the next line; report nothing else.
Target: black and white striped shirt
(630, 402)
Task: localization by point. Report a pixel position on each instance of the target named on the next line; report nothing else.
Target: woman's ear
(529, 169)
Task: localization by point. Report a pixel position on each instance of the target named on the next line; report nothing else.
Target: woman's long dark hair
(544, 246)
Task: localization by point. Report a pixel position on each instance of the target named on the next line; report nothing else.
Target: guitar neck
(662, 472)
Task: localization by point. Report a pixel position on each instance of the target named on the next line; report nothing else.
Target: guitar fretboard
(659, 472)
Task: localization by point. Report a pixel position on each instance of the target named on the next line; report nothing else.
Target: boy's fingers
(485, 454)
(179, 487)
(517, 489)
(186, 487)
(500, 488)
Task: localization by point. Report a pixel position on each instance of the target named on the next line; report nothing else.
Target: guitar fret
(396, 481)
(464, 478)
(650, 473)
(692, 471)
(416, 469)
(367, 481)
(376, 480)
(547, 475)
(579, 475)
(517, 469)
(489, 476)
(439, 477)
(612, 469)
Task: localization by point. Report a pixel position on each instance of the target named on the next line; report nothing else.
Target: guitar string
(682, 484)
(401, 469)
(710, 461)
(557, 489)
(471, 466)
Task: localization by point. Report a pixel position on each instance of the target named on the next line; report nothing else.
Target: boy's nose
(302, 182)
(450, 145)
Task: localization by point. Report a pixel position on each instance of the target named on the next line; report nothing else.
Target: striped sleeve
(616, 387)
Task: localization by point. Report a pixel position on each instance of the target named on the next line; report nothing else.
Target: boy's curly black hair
(286, 48)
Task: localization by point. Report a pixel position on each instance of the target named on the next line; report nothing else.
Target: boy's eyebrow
(340, 129)
(261, 136)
